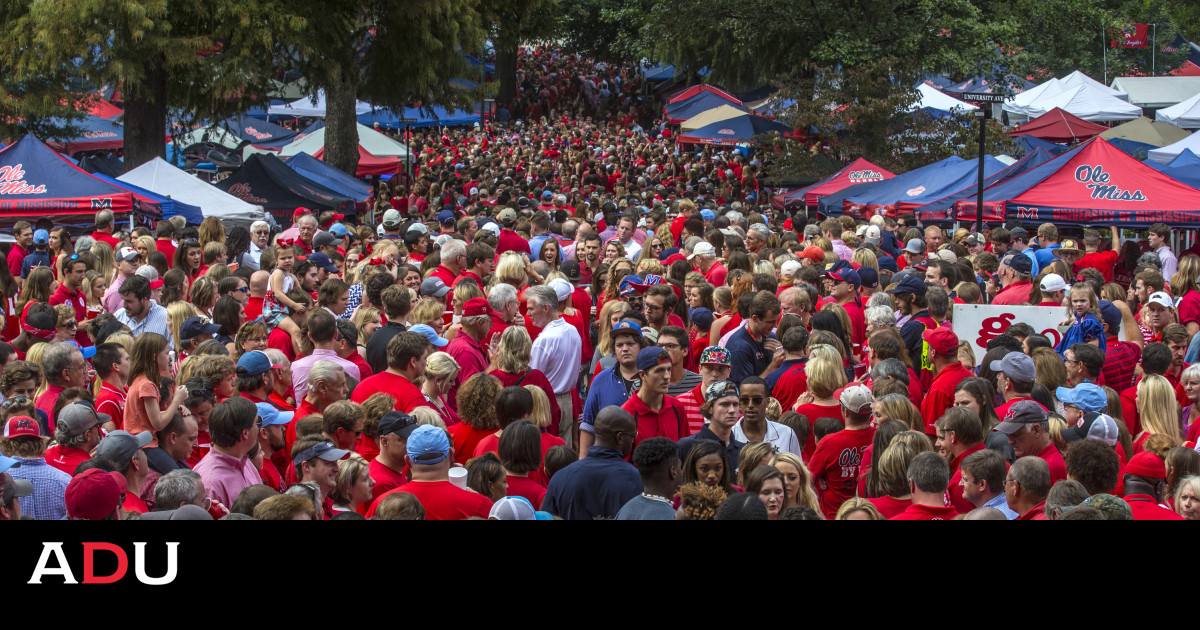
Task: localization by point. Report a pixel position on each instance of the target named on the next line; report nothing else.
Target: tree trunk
(506, 73)
(146, 116)
(341, 125)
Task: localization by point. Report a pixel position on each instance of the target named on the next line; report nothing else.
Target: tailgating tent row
(378, 154)
(36, 182)
(733, 130)
(1058, 125)
(435, 117)
(1185, 114)
(170, 207)
(1077, 94)
(1093, 184)
(96, 134)
(906, 191)
(941, 210)
(1172, 151)
(311, 107)
(161, 177)
(328, 176)
(264, 180)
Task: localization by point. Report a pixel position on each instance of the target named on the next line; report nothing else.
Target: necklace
(655, 497)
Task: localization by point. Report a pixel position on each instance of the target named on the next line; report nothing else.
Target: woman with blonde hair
(510, 270)
(366, 320)
(251, 336)
(511, 366)
(797, 481)
(211, 229)
(613, 251)
(653, 246)
(463, 291)
(1158, 411)
(353, 484)
(428, 312)
(866, 258)
(441, 375)
(824, 377)
(106, 260)
(857, 509)
(752, 456)
(93, 288)
(204, 296)
(897, 407)
(145, 246)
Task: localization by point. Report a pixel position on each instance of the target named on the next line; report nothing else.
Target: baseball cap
(974, 238)
(1053, 283)
(562, 289)
(1019, 414)
(701, 317)
(1113, 508)
(320, 239)
(185, 512)
(715, 355)
(335, 217)
(1019, 233)
(1017, 366)
(22, 426)
(721, 389)
(844, 275)
(80, 416)
(94, 494)
(1162, 299)
(546, 194)
(873, 235)
(194, 326)
(126, 254)
(856, 399)
(418, 227)
(445, 216)
(512, 509)
(869, 277)
(428, 445)
(703, 248)
(1111, 315)
(325, 450)
(392, 218)
(947, 255)
(14, 488)
(1086, 396)
(1019, 262)
(254, 363)
(434, 287)
(915, 246)
(910, 284)
(430, 334)
(119, 446)
(490, 227)
(300, 211)
(651, 356)
(150, 273)
(476, 306)
(339, 230)
(571, 270)
(626, 327)
(322, 260)
(272, 416)
(708, 215)
(397, 422)
(1095, 426)
(41, 237)
(507, 216)
(789, 268)
(1146, 464)
(942, 341)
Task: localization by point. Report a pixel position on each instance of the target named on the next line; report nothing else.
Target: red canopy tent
(1057, 125)
(103, 109)
(369, 165)
(697, 89)
(859, 171)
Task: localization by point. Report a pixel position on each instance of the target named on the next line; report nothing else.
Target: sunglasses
(751, 400)
(16, 400)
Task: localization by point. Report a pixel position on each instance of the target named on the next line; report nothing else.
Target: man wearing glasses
(754, 425)
(260, 237)
(128, 261)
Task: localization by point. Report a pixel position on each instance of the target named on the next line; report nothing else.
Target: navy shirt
(749, 357)
(377, 346)
(887, 242)
(732, 450)
(911, 332)
(597, 486)
(608, 389)
(161, 462)
(39, 258)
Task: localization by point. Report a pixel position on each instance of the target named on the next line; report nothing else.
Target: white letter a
(63, 568)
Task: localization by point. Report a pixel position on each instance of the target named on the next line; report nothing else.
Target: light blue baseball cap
(272, 416)
(428, 445)
(430, 334)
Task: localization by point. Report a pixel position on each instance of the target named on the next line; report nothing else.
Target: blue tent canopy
(660, 73)
(489, 68)
(702, 102)
(862, 194)
(733, 130)
(918, 191)
(940, 210)
(1135, 149)
(256, 130)
(170, 207)
(1184, 168)
(328, 176)
(1031, 143)
(96, 134)
(437, 117)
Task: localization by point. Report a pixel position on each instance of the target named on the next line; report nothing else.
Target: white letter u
(139, 564)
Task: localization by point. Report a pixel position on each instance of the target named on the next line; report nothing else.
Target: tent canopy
(1157, 92)
(734, 130)
(1095, 184)
(1087, 102)
(97, 134)
(438, 117)
(101, 108)
(864, 200)
(859, 171)
(1020, 103)
(255, 130)
(896, 198)
(683, 110)
(1033, 143)
(160, 177)
(1146, 131)
(933, 99)
(696, 90)
(108, 164)
(37, 182)
(940, 210)
(1057, 125)
(1186, 114)
(1185, 168)
(716, 114)
(265, 180)
(328, 176)
(306, 108)
(370, 140)
(1172, 151)
(170, 207)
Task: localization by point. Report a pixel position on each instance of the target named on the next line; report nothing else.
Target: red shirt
(271, 477)
(1145, 508)
(447, 276)
(955, 490)
(815, 412)
(165, 246)
(918, 512)
(790, 385)
(1015, 294)
(528, 488)
(203, 446)
(107, 238)
(386, 479)
(364, 370)
(254, 308)
(1058, 467)
(834, 466)
(890, 507)
(111, 400)
(670, 421)
(941, 393)
(510, 241)
(471, 358)
(66, 458)
(134, 503)
(466, 438)
(281, 341)
(1104, 262)
(407, 396)
(716, 275)
(858, 323)
(442, 500)
(467, 275)
(1036, 513)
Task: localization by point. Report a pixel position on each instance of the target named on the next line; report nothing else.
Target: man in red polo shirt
(406, 354)
(704, 258)
(656, 413)
(959, 434)
(387, 469)
(1015, 273)
(163, 234)
(104, 229)
(76, 434)
(1145, 483)
(842, 285)
(928, 476)
(509, 240)
(255, 376)
(271, 440)
(1026, 488)
(69, 292)
(467, 347)
(23, 233)
(429, 457)
(453, 262)
(1027, 426)
(948, 373)
(112, 365)
(835, 463)
(1015, 375)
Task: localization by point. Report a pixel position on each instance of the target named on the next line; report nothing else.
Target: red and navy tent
(96, 134)
(696, 90)
(733, 130)
(941, 210)
(682, 110)
(859, 171)
(37, 182)
(264, 180)
(1093, 184)
(913, 189)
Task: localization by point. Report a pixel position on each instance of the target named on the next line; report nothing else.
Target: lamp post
(982, 114)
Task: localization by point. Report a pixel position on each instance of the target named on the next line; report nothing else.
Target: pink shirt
(471, 360)
(301, 366)
(112, 299)
(226, 476)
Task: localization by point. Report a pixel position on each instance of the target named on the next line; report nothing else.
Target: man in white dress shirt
(557, 352)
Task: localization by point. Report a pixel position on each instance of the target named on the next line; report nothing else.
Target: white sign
(980, 323)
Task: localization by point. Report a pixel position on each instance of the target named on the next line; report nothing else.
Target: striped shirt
(155, 321)
(355, 293)
(1000, 502)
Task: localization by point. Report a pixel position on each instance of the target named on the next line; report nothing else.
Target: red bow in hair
(368, 247)
(377, 262)
(285, 242)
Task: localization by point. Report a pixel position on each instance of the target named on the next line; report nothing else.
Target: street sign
(406, 120)
(981, 97)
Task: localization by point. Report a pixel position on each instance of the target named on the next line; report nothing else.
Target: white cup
(458, 476)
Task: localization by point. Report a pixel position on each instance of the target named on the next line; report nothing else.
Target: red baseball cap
(476, 306)
(21, 426)
(336, 217)
(942, 341)
(94, 494)
(299, 211)
(813, 253)
(1147, 464)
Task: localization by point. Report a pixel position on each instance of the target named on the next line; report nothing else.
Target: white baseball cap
(1161, 299)
(1053, 283)
(703, 248)
(789, 268)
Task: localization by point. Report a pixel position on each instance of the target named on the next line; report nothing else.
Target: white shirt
(255, 255)
(557, 352)
(780, 436)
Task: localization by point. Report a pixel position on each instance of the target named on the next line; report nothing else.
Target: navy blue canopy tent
(436, 117)
(1031, 143)
(1132, 147)
(1185, 168)
(110, 165)
(96, 134)
(256, 130)
(733, 130)
(909, 190)
(170, 207)
(940, 210)
(702, 102)
(328, 176)
(264, 180)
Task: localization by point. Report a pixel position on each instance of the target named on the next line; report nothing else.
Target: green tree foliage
(513, 23)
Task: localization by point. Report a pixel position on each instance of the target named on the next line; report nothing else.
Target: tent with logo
(257, 131)
(1059, 126)
(716, 114)
(264, 180)
(694, 91)
(311, 107)
(1185, 114)
(859, 171)
(904, 193)
(1165, 154)
(37, 182)
(1093, 184)
(96, 134)
(733, 130)
(328, 176)
(941, 210)
(160, 177)
(1185, 168)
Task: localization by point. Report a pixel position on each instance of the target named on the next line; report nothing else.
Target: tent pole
(1153, 45)
(1104, 53)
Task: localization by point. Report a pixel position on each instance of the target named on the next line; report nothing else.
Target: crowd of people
(574, 317)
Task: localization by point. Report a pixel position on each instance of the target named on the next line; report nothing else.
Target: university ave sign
(983, 97)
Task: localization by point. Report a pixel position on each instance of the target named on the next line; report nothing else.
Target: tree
(515, 22)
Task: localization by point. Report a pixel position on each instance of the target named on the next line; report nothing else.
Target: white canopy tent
(1185, 114)
(1086, 102)
(306, 108)
(371, 141)
(933, 99)
(1019, 104)
(1172, 151)
(160, 177)
(1157, 92)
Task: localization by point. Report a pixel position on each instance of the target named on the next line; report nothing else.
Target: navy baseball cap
(323, 261)
(445, 216)
(652, 356)
(325, 450)
(869, 277)
(1020, 263)
(910, 284)
(194, 326)
(845, 275)
(1111, 316)
(701, 317)
(254, 363)
(397, 422)
(626, 326)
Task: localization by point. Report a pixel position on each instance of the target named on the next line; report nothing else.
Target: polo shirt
(167, 248)
(280, 340)
(471, 358)
(226, 476)
(609, 388)
(407, 395)
(45, 404)
(467, 275)
(386, 479)
(955, 491)
(510, 241)
(111, 400)
(107, 238)
(38, 258)
(1104, 262)
(748, 355)
(445, 275)
(1145, 508)
(1015, 294)
(357, 359)
(302, 366)
(790, 381)
(66, 458)
(890, 507)
(670, 421)
(918, 512)
(716, 275)
(1036, 513)
(442, 500)
(377, 345)
(557, 352)
(597, 486)
(112, 300)
(16, 257)
(1058, 466)
(941, 393)
(773, 378)
(834, 466)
